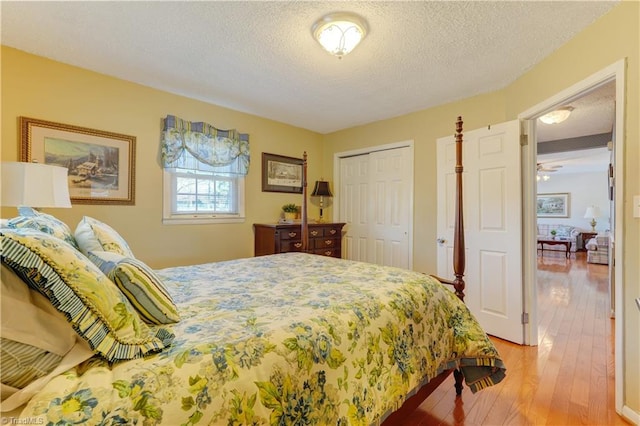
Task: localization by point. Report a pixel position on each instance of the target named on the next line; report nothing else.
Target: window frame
(171, 218)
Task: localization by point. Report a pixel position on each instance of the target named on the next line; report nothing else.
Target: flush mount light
(557, 116)
(339, 33)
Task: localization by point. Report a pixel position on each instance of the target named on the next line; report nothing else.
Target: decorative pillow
(93, 235)
(37, 341)
(564, 231)
(32, 219)
(94, 306)
(140, 284)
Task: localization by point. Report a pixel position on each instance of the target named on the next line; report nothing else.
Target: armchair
(598, 250)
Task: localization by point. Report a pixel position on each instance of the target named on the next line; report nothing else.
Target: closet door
(391, 183)
(354, 206)
(376, 191)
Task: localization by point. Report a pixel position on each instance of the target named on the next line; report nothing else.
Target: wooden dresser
(324, 238)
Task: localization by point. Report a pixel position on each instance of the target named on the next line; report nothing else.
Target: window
(204, 172)
(194, 196)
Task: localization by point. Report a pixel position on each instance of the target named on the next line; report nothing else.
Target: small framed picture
(100, 164)
(281, 174)
(553, 205)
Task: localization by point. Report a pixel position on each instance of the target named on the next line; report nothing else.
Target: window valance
(185, 144)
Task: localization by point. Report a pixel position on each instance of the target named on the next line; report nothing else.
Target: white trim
(629, 414)
(199, 219)
(615, 72)
(361, 151)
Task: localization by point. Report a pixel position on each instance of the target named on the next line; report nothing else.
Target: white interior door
(354, 206)
(493, 225)
(391, 183)
(376, 190)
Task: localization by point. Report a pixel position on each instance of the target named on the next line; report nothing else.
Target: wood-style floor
(568, 379)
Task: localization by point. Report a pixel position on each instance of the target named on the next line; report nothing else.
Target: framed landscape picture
(100, 164)
(553, 205)
(281, 174)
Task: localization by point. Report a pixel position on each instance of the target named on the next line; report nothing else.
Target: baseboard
(630, 415)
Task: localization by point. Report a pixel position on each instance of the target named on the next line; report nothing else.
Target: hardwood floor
(568, 379)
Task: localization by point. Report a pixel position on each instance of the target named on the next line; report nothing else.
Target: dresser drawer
(290, 234)
(331, 252)
(333, 231)
(316, 232)
(290, 245)
(321, 243)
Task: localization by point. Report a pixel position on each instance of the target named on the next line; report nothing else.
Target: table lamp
(321, 190)
(592, 213)
(34, 185)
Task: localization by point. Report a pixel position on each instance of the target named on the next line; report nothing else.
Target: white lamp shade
(592, 212)
(34, 185)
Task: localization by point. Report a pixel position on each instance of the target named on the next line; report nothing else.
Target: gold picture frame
(101, 164)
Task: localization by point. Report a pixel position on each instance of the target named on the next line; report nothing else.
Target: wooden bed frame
(458, 283)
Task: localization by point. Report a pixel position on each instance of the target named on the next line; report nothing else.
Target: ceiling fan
(542, 171)
(546, 169)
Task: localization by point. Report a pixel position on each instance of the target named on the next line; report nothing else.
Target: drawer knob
(297, 245)
(293, 234)
(328, 253)
(328, 242)
(332, 231)
(314, 233)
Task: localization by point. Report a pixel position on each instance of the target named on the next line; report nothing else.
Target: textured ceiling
(260, 58)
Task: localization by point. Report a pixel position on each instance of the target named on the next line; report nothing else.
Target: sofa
(598, 250)
(563, 232)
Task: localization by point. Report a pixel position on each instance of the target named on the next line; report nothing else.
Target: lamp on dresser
(321, 190)
(34, 185)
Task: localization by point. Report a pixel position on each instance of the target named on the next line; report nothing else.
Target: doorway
(614, 73)
(573, 162)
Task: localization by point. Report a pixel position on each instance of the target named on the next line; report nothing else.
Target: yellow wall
(612, 38)
(36, 87)
(39, 88)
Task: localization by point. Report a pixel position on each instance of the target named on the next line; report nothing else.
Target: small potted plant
(290, 211)
(553, 233)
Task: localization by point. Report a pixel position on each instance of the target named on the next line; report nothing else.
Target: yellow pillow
(95, 307)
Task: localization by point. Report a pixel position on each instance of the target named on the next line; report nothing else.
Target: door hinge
(524, 140)
(525, 318)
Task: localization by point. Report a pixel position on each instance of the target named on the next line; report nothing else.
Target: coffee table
(550, 242)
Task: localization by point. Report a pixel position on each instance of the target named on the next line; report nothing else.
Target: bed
(291, 338)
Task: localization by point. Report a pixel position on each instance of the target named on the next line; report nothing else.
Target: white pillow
(40, 342)
(93, 235)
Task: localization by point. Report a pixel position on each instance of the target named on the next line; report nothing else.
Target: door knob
(441, 241)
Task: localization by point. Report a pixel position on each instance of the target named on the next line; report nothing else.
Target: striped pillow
(95, 307)
(140, 284)
(23, 363)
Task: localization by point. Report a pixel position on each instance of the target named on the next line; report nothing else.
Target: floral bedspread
(284, 339)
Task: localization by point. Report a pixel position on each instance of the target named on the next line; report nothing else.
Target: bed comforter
(283, 339)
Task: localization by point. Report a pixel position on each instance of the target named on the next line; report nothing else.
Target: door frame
(367, 150)
(614, 72)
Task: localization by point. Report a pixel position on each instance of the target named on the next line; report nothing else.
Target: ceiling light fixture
(557, 116)
(339, 33)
